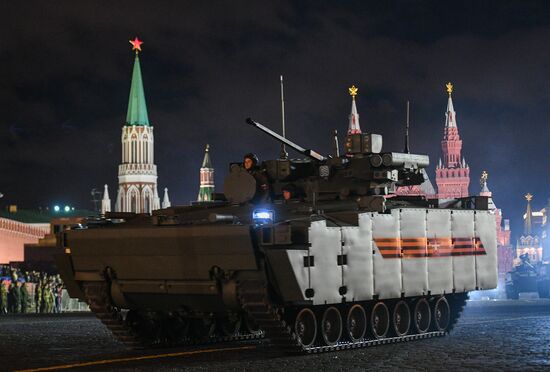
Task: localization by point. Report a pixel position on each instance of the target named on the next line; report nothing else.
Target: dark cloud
(208, 65)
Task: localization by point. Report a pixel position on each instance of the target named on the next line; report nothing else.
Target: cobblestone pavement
(499, 335)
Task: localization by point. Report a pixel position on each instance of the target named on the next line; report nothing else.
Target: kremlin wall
(14, 234)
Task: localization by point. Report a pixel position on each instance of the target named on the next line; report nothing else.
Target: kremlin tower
(206, 178)
(137, 175)
(353, 127)
(529, 242)
(452, 176)
(505, 252)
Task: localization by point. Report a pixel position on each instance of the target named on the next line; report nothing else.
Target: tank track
(98, 299)
(254, 298)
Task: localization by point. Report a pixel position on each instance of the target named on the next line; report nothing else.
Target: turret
(364, 170)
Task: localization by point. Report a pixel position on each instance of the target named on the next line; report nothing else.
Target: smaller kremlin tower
(529, 242)
(353, 127)
(166, 200)
(452, 175)
(206, 178)
(106, 201)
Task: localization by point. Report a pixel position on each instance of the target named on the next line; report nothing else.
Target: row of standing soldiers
(19, 296)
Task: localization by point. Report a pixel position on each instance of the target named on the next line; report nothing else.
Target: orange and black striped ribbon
(429, 247)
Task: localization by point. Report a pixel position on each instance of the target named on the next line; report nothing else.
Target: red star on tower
(136, 44)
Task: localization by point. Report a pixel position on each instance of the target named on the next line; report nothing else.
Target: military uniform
(15, 303)
(250, 164)
(3, 298)
(262, 186)
(48, 298)
(24, 298)
(38, 297)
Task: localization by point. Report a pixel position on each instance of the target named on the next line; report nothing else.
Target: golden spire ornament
(528, 196)
(136, 44)
(449, 88)
(353, 91)
(484, 176)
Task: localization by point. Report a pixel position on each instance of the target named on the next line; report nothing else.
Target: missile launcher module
(328, 258)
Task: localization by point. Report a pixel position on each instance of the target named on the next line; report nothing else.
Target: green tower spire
(206, 177)
(137, 109)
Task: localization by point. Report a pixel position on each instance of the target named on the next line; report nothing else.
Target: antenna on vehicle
(407, 150)
(336, 147)
(284, 154)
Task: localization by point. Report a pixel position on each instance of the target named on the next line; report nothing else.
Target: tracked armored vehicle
(527, 277)
(340, 262)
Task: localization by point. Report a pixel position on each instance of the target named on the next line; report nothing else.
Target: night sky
(65, 73)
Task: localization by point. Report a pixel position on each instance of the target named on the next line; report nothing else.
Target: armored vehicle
(543, 280)
(324, 256)
(527, 277)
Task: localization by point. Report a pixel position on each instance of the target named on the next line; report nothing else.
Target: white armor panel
(325, 275)
(357, 247)
(414, 264)
(386, 255)
(486, 264)
(387, 270)
(464, 275)
(440, 268)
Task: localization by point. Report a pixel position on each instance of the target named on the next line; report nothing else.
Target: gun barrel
(312, 154)
(397, 159)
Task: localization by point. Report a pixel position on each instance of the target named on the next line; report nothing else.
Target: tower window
(146, 152)
(133, 203)
(147, 204)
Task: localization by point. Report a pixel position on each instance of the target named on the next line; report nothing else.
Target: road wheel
(380, 320)
(442, 314)
(422, 316)
(401, 318)
(331, 326)
(356, 323)
(305, 327)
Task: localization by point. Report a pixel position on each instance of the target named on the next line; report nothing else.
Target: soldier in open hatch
(290, 193)
(250, 164)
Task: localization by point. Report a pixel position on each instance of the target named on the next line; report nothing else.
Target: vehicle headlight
(262, 216)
